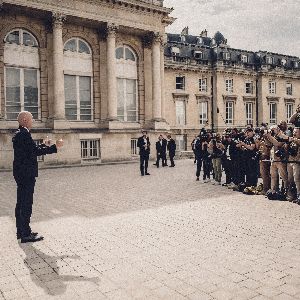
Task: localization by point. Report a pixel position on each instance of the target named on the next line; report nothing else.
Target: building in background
(209, 84)
(96, 72)
(90, 72)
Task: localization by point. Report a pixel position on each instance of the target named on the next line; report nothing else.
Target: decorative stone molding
(58, 19)
(229, 98)
(249, 98)
(157, 37)
(289, 100)
(181, 96)
(111, 30)
(202, 98)
(272, 99)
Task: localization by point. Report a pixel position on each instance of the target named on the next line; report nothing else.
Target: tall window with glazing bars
(22, 74)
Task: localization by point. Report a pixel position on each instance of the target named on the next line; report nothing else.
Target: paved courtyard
(112, 234)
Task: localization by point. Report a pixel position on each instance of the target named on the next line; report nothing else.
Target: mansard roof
(213, 49)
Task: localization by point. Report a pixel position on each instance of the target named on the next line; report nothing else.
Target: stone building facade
(96, 72)
(209, 84)
(89, 71)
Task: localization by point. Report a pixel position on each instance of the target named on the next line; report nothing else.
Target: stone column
(111, 73)
(58, 67)
(156, 77)
(163, 98)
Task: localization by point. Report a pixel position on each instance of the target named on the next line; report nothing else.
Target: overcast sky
(271, 25)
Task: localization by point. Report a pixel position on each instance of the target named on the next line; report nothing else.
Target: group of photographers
(245, 155)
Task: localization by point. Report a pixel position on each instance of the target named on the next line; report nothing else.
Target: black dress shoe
(147, 174)
(31, 239)
(32, 233)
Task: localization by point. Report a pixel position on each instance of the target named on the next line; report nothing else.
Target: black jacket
(25, 154)
(171, 147)
(141, 143)
(161, 148)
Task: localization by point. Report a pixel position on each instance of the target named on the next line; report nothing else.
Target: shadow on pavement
(49, 278)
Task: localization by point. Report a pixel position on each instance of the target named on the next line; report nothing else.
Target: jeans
(206, 168)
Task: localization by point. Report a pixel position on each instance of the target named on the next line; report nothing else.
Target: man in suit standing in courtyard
(172, 149)
(25, 171)
(144, 145)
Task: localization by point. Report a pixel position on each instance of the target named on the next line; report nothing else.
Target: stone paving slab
(112, 234)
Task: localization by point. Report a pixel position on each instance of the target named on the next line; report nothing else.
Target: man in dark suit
(161, 151)
(172, 149)
(144, 145)
(25, 170)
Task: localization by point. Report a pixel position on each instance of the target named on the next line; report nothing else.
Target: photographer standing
(294, 161)
(278, 164)
(216, 149)
(264, 147)
(226, 159)
(198, 155)
(293, 165)
(248, 146)
(295, 119)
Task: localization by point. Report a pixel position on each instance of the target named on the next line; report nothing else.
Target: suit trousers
(144, 158)
(23, 210)
(171, 155)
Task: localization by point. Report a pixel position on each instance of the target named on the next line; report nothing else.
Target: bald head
(25, 119)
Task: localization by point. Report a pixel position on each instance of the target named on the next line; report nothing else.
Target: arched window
(127, 84)
(78, 74)
(22, 75)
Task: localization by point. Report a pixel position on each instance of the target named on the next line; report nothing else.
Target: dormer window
(199, 40)
(269, 60)
(226, 55)
(182, 38)
(244, 58)
(198, 54)
(175, 51)
(283, 62)
(296, 64)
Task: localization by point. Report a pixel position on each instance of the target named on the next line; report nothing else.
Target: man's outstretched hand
(59, 143)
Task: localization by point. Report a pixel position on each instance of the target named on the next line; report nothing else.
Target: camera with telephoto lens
(281, 154)
(293, 149)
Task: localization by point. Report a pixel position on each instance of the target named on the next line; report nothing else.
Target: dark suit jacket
(25, 154)
(161, 148)
(171, 147)
(141, 143)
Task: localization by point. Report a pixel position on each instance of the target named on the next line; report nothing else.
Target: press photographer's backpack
(278, 195)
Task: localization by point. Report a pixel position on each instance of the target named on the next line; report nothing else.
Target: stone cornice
(289, 99)
(273, 98)
(144, 5)
(249, 98)
(229, 98)
(181, 95)
(93, 10)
